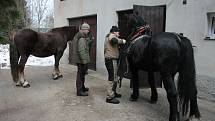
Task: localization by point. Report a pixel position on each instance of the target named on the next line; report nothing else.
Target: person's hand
(90, 35)
(147, 26)
(123, 41)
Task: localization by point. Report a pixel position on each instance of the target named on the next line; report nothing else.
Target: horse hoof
(60, 76)
(153, 101)
(132, 99)
(26, 85)
(55, 77)
(18, 85)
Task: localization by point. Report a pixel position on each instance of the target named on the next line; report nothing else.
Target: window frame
(211, 26)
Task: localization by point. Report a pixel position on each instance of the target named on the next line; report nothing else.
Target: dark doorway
(92, 21)
(123, 21)
(155, 16)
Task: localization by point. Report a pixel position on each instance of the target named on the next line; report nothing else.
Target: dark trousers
(80, 79)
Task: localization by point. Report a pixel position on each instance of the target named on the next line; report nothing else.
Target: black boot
(113, 101)
(117, 95)
(82, 93)
(85, 89)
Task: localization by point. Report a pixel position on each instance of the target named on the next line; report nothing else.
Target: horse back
(167, 49)
(38, 44)
(48, 44)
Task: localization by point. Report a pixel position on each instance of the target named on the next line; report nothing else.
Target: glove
(123, 41)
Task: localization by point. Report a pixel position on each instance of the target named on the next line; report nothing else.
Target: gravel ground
(56, 100)
(206, 88)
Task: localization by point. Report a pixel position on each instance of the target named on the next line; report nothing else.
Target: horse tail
(14, 57)
(187, 82)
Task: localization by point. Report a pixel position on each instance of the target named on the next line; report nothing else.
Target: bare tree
(49, 20)
(38, 10)
(41, 9)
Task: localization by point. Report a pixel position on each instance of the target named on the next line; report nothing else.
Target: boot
(113, 101)
(85, 89)
(117, 95)
(82, 93)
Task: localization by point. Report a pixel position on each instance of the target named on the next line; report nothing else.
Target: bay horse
(167, 53)
(26, 42)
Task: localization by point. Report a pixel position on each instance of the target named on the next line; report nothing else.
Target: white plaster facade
(190, 19)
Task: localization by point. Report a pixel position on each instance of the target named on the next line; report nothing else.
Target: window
(211, 26)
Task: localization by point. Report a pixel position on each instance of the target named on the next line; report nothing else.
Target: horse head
(136, 26)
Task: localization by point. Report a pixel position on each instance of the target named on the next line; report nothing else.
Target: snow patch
(32, 60)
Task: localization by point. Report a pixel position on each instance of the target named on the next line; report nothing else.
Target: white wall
(190, 19)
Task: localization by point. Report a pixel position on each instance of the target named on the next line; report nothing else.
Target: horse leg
(21, 66)
(151, 80)
(135, 82)
(170, 88)
(56, 72)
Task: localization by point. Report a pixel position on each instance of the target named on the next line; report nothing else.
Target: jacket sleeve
(115, 40)
(82, 47)
(90, 43)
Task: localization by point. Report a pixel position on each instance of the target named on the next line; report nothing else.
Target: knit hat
(85, 26)
(114, 29)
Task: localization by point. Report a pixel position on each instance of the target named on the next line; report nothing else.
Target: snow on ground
(32, 60)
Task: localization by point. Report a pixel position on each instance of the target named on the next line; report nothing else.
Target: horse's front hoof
(18, 84)
(175, 117)
(26, 86)
(55, 77)
(153, 100)
(133, 98)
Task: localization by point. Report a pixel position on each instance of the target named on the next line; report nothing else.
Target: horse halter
(140, 31)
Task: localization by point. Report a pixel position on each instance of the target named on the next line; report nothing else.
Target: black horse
(27, 42)
(167, 53)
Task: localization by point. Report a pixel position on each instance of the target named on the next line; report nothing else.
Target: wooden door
(155, 16)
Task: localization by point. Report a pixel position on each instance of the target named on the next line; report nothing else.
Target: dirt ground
(56, 100)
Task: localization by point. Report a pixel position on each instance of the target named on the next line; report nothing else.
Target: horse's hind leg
(169, 85)
(151, 80)
(22, 81)
(56, 72)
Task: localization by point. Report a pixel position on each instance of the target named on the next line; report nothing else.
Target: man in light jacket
(111, 54)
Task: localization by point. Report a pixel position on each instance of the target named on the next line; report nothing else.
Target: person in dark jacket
(111, 54)
(81, 57)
